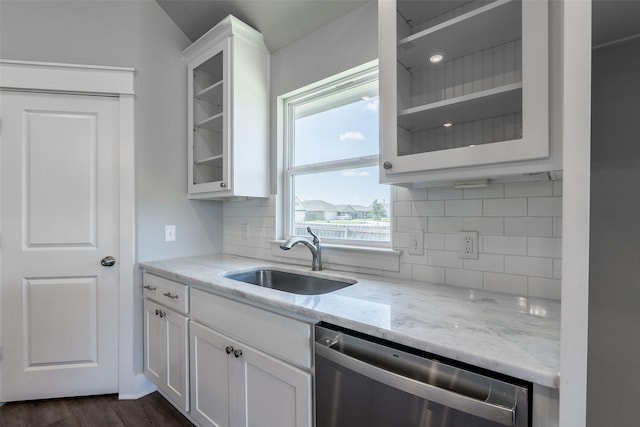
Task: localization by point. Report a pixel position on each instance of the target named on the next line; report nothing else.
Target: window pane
(340, 132)
(348, 204)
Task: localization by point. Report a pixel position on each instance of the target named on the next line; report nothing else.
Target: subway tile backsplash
(519, 226)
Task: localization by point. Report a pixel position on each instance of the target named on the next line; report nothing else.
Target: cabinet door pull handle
(237, 353)
(168, 294)
(151, 288)
(229, 349)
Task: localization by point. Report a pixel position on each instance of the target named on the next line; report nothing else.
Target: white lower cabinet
(239, 376)
(166, 361)
(233, 384)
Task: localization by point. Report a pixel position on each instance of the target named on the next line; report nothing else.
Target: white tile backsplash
(528, 189)
(505, 207)
(463, 208)
(444, 224)
(519, 227)
(528, 226)
(545, 206)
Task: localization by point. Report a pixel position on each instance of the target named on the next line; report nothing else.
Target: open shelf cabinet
(228, 89)
(485, 102)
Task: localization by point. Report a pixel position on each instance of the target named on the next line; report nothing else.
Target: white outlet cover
(468, 244)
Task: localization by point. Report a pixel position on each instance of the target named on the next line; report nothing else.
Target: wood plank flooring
(92, 411)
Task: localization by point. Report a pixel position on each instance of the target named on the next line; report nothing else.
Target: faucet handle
(316, 240)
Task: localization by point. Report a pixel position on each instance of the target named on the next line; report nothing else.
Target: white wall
(134, 34)
(614, 343)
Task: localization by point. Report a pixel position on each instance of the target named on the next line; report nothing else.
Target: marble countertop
(516, 336)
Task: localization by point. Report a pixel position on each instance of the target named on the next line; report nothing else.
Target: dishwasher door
(363, 382)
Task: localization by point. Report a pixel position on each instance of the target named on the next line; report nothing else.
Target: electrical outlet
(468, 244)
(169, 233)
(416, 242)
(245, 231)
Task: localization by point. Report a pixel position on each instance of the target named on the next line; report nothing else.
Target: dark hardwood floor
(92, 411)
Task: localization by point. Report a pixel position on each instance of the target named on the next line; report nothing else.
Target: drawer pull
(168, 295)
(151, 288)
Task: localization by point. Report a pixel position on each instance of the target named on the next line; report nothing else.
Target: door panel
(177, 364)
(58, 218)
(273, 391)
(60, 167)
(60, 322)
(210, 377)
(152, 350)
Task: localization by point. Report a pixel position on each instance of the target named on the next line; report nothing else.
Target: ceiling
(281, 22)
(284, 21)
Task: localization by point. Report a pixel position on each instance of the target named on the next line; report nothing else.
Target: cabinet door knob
(222, 184)
(229, 349)
(162, 314)
(157, 311)
(387, 165)
(237, 353)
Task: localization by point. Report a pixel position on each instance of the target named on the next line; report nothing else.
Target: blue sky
(347, 131)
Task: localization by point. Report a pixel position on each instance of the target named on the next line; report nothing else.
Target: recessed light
(447, 125)
(436, 58)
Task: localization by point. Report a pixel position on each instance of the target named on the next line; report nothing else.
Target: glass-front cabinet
(464, 88)
(228, 111)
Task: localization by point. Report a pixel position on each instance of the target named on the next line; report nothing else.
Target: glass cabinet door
(470, 83)
(208, 168)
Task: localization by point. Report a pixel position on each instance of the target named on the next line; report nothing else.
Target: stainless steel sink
(290, 282)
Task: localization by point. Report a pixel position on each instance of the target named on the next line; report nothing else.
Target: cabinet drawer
(166, 292)
(287, 339)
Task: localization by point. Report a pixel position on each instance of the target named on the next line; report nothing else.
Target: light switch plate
(169, 233)
(416, 242)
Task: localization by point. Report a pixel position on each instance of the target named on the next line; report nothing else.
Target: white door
(211, 377)
(59, 201)
(272, 393)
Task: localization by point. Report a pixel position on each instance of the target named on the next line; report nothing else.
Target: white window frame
(362, 76)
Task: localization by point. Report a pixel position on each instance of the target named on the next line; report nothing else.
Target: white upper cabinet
(228, 113)
(464, 89)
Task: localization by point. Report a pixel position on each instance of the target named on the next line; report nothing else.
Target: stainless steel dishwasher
(366, 382)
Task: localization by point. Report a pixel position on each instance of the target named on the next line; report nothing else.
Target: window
(331, 162)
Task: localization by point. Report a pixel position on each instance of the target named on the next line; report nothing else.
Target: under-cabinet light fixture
(436, 58)
(480, 183)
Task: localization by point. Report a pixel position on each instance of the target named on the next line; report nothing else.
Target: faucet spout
(314, 247)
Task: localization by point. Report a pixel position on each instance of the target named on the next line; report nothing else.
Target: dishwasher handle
(488, 411)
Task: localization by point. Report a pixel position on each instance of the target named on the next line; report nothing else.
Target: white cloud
(358, 136)
(352, 172)
(373, 105)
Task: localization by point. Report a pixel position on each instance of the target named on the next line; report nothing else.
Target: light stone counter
(516, 336)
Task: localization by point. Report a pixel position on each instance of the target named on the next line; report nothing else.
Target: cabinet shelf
(208, 160)
(496, 23)
(488, 103)
(213, 123)
(211, 94)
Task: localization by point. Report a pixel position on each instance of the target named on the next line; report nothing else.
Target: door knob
(108, 261)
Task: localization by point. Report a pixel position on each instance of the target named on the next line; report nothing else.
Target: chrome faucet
(314, 247)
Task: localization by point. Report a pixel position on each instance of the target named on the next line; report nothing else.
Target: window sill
(344, 257)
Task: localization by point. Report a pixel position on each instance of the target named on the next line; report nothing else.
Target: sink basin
(290, 282)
